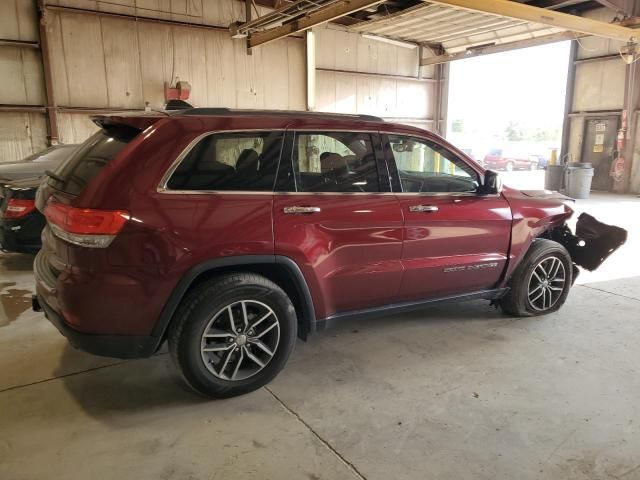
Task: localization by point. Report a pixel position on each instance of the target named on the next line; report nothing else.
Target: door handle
(423, 208)
(297, 210)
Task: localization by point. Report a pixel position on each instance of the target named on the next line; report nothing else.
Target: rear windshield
(73, 175)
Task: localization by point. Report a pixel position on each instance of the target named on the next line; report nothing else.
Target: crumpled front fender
(592, 243)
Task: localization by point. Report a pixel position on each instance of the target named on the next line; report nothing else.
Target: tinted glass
(335, 162)
(230, 161)
(56, 154)
(428, 167)
(91, 157)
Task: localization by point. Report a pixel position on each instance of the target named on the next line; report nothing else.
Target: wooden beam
(504, 47)
(521, 11)
(318, 17)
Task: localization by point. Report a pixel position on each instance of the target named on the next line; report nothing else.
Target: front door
(598, 149)
(338, 220)
(455, 241)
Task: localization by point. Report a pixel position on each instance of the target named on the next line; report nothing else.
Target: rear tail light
(85, 227)
(19, 208)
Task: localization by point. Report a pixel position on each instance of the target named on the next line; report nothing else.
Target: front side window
(230, 161)
(426, 167)
(335, 162)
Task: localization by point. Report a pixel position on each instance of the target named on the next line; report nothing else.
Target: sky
(526, 86)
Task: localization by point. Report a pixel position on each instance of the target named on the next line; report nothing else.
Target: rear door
(455, 241)
(334, 214)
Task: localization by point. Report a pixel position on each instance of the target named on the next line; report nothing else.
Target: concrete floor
(456, 392)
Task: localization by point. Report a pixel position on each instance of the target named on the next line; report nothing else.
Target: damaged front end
(592, 243)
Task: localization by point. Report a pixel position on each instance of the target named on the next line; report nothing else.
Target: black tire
(510, 167)
(517, 301)
(195, 314)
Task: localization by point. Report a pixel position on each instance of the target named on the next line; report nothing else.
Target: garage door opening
(506, 110)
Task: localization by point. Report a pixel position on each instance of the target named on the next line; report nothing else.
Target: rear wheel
(233, 334)
(533, 166)
(509, 167)
(541, 282)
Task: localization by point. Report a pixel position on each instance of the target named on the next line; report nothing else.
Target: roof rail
(232, 111)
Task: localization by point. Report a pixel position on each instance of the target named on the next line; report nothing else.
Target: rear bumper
(21, 236)
(116, 346)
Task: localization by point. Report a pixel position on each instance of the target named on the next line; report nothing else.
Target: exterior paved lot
(456, 392)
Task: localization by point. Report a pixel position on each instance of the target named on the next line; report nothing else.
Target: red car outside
(500, 159)
(231, 233)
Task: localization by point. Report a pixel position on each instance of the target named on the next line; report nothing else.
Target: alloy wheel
(240, 340)
(546, 283)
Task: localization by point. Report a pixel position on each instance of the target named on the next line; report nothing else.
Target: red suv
(230, 233)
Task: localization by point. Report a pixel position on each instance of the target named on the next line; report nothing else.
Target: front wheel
(509, 167)
(541, 282)
(233, 334)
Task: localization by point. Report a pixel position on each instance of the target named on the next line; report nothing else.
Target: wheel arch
(280, 269)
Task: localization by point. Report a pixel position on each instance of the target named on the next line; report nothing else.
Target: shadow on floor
(128, 387)
(154, 384)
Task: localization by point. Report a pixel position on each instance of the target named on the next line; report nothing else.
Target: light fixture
(390, 41)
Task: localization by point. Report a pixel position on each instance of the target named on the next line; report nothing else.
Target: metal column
(568, 102)
(51, 107)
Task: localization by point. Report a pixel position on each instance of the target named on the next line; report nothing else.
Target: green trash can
(579, 176)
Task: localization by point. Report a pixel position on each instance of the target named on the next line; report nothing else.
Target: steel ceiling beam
(505, 47)
(520, 11)
(306, 22)
(624, 6)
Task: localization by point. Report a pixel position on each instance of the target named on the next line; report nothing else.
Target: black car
(20, 222)
(36, 164)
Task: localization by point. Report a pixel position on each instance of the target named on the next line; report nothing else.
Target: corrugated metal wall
(21, 133)
(598, 86)
(105, 62)
(101, 62)
(359, 75)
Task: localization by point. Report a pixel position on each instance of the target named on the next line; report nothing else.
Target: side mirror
(492, 183)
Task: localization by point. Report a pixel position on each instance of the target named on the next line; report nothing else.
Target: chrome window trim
(162, 186)
(163, 189)
(396, 194)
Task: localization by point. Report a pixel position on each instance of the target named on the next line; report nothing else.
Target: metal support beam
(629, 125)
(22, 108)
(310, 53)
(317, 17)
(380, 75)
(521, 11)
(505, 47)
(18, 43)
(247, 19)
(52, 113)
(622, 6)
(599, 58)
(137, 18)
(568, 102)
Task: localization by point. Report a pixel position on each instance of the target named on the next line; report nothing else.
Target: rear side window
(74, 174)
(230, 162)
(335, 162)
